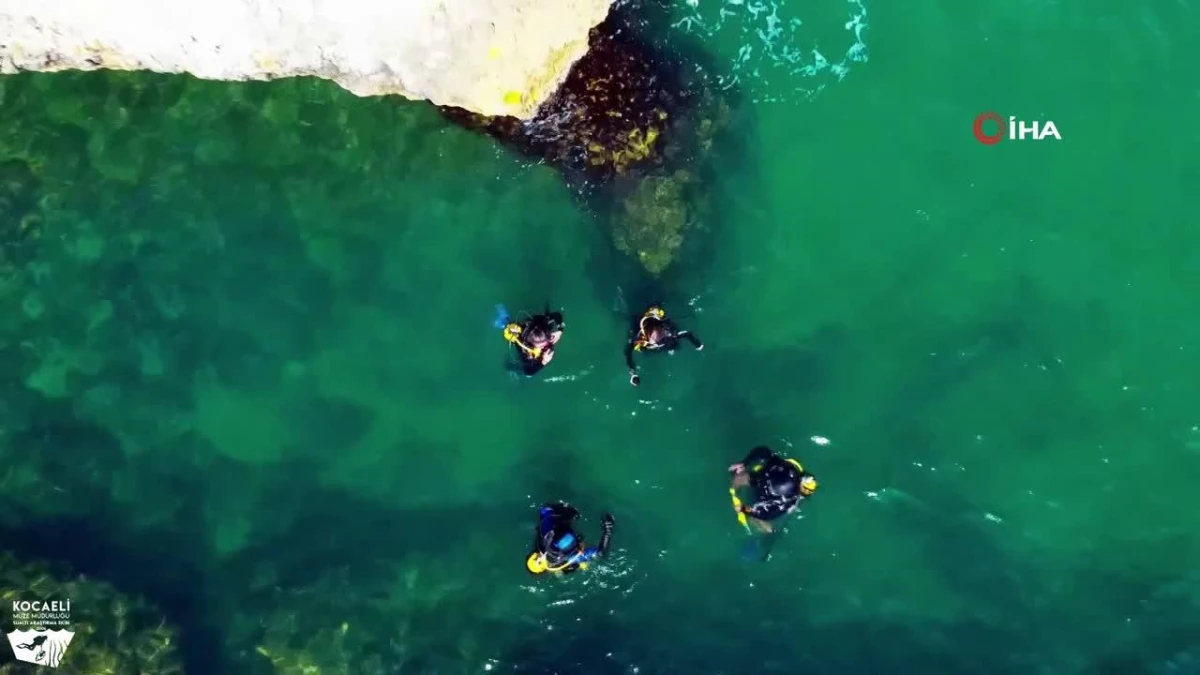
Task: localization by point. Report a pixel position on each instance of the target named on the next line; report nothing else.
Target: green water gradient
(249, 369)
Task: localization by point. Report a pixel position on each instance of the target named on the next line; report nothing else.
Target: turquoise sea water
(249, 370)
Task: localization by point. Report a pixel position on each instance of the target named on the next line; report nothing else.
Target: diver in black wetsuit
(557, 547)
(778, 484)
(654, 332)
(534, 339)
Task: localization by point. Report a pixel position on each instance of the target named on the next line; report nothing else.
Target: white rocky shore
(495, 57)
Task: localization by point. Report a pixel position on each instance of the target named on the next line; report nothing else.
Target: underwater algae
(336, 623)
(153, 197)
(105, 177)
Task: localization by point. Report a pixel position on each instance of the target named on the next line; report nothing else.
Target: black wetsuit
(555, 538)
(765, 469)
(669, 341)
(548, 322)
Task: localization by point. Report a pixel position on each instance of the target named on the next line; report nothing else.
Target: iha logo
(1017, 130)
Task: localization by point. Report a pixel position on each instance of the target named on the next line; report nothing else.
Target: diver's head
(655, 330)
(538, 337)
(555, 553)
(557, 544)
(557, 548)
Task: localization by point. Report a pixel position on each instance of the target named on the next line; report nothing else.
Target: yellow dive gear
(512, 333)
(537, 564)
(808, 484)
(737, 505)
(655, 313)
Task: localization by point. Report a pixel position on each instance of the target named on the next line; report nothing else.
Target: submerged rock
(20, 216)
(621, 128)
(652, 220)
(496, 57)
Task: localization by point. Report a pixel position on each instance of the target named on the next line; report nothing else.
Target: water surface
(249, 369)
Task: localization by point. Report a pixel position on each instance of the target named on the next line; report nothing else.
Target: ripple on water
(778, 59)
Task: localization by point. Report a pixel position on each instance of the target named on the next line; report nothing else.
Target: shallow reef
(115, 634)
(633, 129)
(395, 623)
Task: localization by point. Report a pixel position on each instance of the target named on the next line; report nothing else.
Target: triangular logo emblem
(42, 647)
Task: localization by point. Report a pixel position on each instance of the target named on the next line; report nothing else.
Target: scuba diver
(34, 643)
(654, 332)
(777, 483)
(534, 339)
(557, 547)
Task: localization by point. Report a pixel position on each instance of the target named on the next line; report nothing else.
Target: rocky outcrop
(493, 57)
(632, 128)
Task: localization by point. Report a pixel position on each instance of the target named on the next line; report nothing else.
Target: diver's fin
(502, 317)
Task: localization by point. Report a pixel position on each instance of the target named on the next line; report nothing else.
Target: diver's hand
(737, 468)
(634, 379)
(547, 356)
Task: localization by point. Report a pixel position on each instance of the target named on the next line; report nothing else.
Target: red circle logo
(985, 138)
